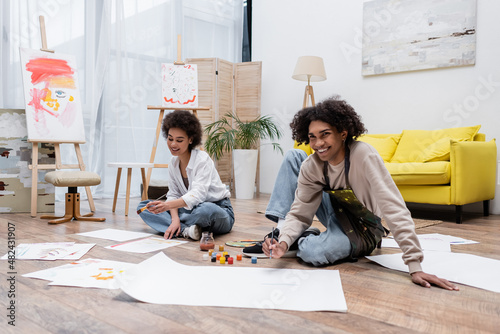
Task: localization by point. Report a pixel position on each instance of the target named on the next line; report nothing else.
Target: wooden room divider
(228, 87)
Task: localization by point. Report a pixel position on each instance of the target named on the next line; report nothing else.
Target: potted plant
(242, 138)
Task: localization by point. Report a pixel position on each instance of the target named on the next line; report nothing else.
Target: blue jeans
(216, 217)
(331, 245)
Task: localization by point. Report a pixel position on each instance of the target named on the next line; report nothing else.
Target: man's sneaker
(192, 232)
(256, 250)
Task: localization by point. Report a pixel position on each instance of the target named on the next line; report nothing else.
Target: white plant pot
(245, 169)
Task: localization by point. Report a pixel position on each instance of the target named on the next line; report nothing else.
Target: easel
(58, 165)
(162, 113)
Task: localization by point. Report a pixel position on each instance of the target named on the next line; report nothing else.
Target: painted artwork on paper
(15, 158)
(406, 35)
(179, 85)
(52, 98)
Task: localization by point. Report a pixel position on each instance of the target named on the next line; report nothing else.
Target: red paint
(43, 69)
(39, 95)
(205, 247)
(172, 100)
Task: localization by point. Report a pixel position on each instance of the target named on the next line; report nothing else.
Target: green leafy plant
(223, 137)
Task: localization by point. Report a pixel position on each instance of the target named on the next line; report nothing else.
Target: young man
(331, 128)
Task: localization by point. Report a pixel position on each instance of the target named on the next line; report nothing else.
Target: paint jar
(207, 241)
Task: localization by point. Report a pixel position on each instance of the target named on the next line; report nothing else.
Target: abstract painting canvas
(179, 85)
(406, 35)
(52, 98)
(15, 175)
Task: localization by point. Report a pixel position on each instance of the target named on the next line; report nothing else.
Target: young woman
(330, 128)
(197, 199)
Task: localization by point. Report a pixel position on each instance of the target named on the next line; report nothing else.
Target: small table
(129, 166)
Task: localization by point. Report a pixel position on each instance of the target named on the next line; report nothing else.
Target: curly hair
(338, 113)
(184, 120)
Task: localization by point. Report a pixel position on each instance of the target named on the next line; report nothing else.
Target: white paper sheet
(426, 242)
(88, 273)
(116, 235)
(468, 269)
(146, 245)
(51, 251)
(231, 286)
(449, 238)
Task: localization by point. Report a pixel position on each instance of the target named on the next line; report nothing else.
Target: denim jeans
(216, 217)
(331, 245)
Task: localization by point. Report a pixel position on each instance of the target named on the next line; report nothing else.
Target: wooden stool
(129, 166)
(72, 180)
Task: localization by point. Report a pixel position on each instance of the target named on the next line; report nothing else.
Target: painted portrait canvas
(179, 85)
(407, 35)
(52, 98)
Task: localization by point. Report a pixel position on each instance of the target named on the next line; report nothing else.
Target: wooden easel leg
(144, 185)
(155, 144)
(127, 196)
(68, 211)
(82, 168)
(117, 186)
(86, 217)
(34, 179)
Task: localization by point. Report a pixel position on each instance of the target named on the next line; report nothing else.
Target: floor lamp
(309, 68)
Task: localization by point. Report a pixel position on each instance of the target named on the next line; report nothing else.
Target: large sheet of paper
(88, 273)
(179, 85)
(52, 98)
(114, 234)
(449, 238)
(480, 272)
(51, 251)
(230, 286)
(146, 245)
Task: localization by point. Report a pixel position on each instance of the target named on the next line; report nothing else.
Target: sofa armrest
(473, 171)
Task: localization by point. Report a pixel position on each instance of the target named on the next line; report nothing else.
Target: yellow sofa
(454, 166)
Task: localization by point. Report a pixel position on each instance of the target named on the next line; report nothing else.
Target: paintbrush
(145, 207)
(272, 239)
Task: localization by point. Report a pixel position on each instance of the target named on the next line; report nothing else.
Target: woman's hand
(157, 207)
(426, 280)
(279, 249)
(174, 229)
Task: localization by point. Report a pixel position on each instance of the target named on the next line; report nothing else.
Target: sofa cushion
(384, 146)
(414, 142)
(420, 173)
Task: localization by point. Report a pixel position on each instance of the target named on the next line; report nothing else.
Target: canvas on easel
(179, 85)
(53, 110)
(52, 98)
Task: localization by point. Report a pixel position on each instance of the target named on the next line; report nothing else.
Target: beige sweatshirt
(373, 186)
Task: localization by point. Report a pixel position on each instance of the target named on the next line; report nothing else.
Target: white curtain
(119, 46)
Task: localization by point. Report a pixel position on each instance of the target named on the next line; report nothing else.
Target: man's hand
(279, 249)
(426, 280)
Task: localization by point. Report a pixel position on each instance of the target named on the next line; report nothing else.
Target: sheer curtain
(119, 46)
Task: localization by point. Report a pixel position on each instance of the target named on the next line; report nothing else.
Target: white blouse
(204, 181)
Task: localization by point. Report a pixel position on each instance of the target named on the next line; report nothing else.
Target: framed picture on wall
(406, 35)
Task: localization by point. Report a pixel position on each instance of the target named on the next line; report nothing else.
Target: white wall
(283, 30)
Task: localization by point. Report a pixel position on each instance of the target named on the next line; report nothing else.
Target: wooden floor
(379, 300)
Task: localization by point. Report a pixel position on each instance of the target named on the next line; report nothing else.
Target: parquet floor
(379, 300)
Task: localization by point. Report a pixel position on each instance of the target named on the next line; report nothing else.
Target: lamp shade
(309, 68)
